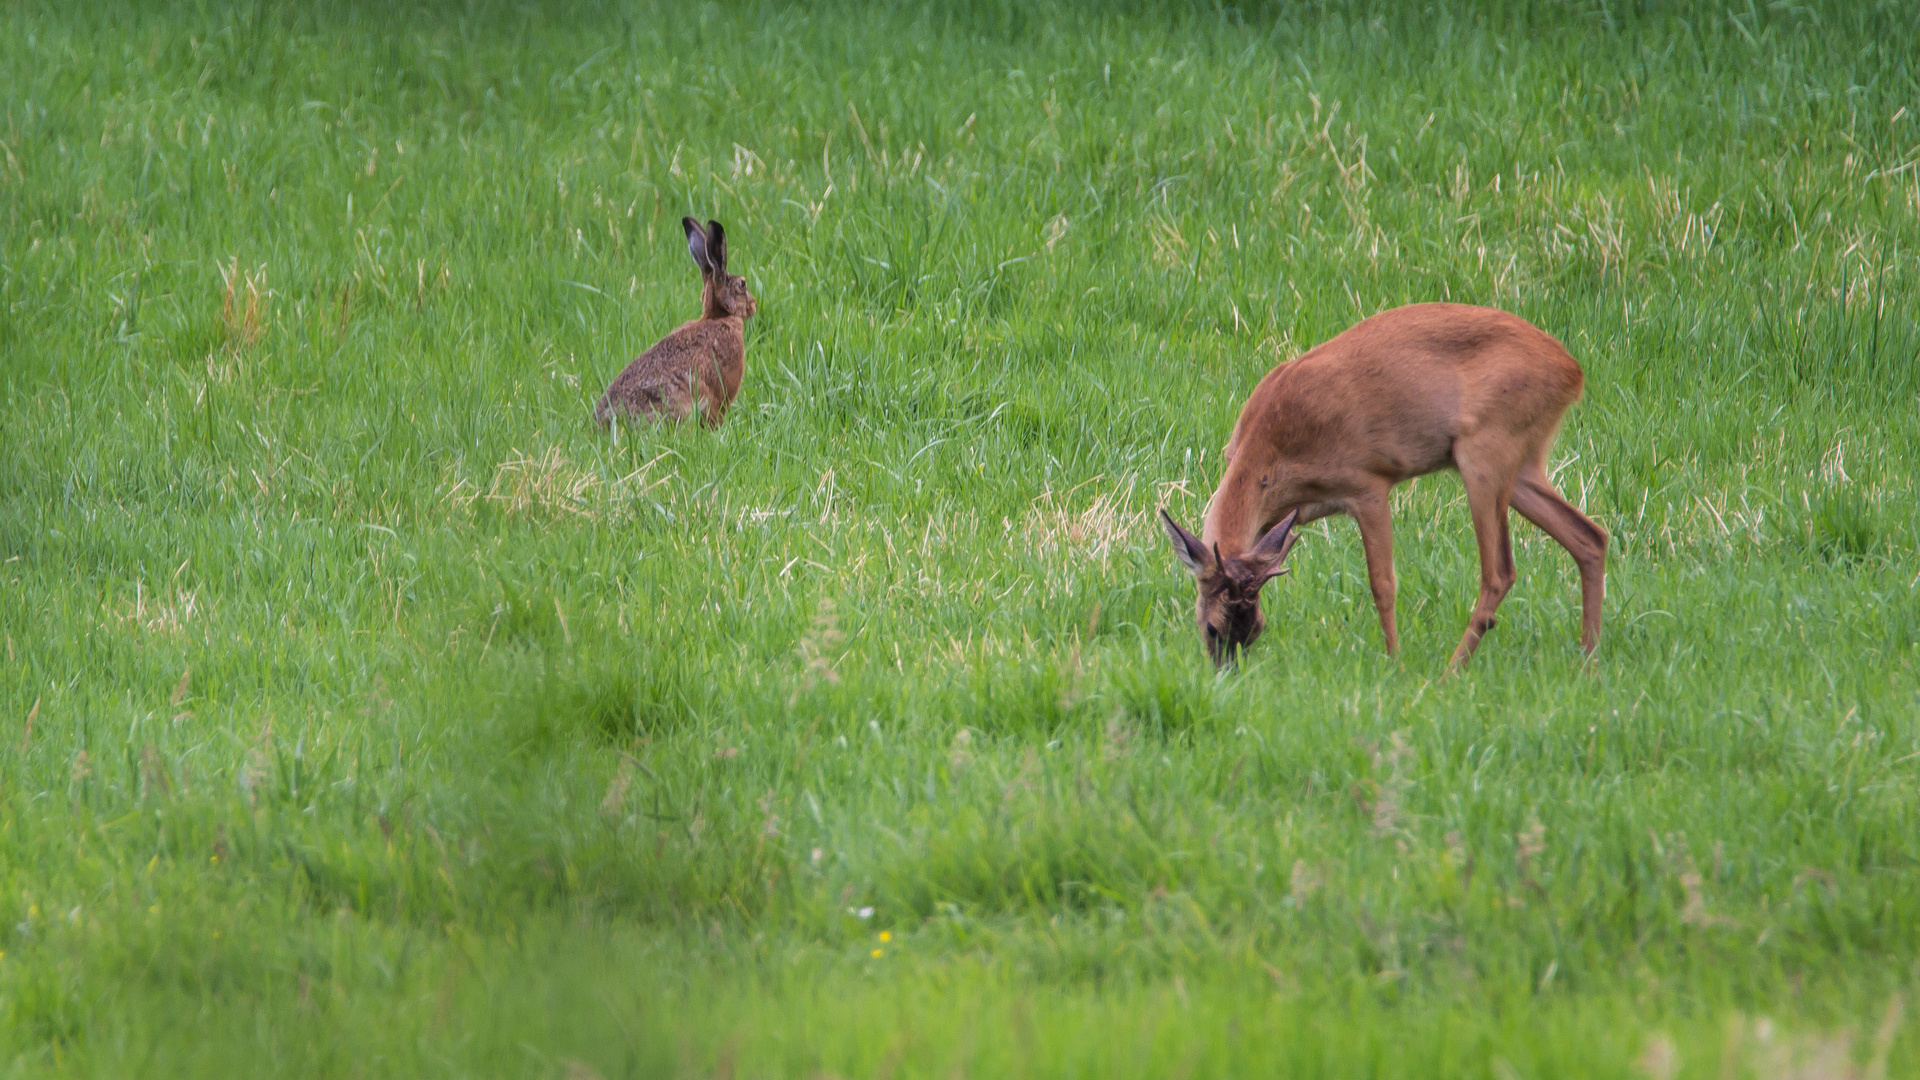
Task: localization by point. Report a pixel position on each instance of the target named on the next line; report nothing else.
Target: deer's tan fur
(1402, 394)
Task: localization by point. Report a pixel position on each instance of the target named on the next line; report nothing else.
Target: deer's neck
(1256, 492)
(1233, 519)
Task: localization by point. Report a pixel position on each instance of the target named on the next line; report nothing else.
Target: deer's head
(1228, 610)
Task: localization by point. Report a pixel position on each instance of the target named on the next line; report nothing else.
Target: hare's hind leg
(641, 404)
(659, 403)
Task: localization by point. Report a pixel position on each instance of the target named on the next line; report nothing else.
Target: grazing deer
(1402, 394)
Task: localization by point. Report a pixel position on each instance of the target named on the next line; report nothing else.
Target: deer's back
(1392, 393)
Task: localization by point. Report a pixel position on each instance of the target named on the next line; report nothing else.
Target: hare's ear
(717, 248)
(697, 245)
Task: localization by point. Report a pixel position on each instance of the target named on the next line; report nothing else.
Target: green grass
(369, 712)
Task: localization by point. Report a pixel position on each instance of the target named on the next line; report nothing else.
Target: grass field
(369, 712)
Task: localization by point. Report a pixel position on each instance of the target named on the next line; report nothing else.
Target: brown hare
(1405, 393)
(702, 361)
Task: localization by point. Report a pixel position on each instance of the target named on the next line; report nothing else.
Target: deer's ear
(1186, 547)
(1273, 548)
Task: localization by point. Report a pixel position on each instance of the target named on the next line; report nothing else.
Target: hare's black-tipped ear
(1186, 547)
(1272, 549)
(697, 245)
(717, 248)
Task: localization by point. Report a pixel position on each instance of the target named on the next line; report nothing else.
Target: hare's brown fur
(701, 362)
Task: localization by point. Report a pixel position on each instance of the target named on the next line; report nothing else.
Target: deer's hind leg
(1488, 469)
(1536, 500)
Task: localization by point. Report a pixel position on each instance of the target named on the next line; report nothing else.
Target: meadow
(367, 711)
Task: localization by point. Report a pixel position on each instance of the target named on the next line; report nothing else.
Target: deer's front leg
(1375, 518)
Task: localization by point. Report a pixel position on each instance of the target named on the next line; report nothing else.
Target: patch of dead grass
(549, 484)
(1055, 526)
(165, 612)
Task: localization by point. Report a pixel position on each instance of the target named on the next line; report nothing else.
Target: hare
(701, 361)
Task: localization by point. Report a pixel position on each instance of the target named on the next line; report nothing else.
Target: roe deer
(1402, 394)
(703, 359)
